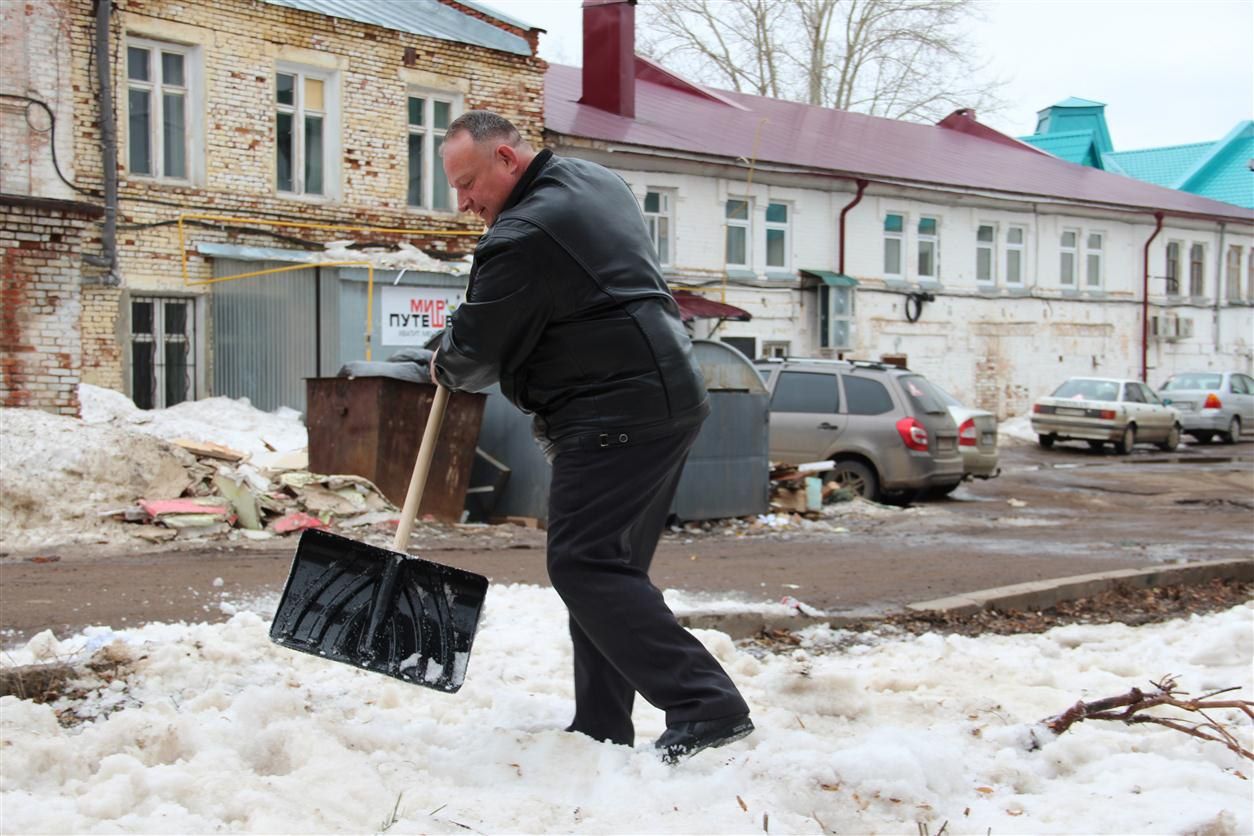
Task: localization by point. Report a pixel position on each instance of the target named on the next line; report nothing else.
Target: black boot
(683, 740)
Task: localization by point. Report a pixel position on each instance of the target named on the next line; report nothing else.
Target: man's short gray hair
(484, 125)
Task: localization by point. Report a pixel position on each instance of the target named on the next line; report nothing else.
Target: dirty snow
(60, 474)
(234, 422)
(215, 728)
(1015, 430)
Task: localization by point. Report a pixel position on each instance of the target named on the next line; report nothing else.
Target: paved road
(1055, 513)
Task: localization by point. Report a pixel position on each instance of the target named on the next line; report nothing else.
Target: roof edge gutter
(949, 188)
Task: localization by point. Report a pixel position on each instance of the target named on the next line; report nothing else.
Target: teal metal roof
(830, 278)
(1218, 170)
(1161, 166)
(1072, 146)
(1073, 101)
(1075, 130)
(418, 17)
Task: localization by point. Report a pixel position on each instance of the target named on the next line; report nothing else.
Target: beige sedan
(1105, 410)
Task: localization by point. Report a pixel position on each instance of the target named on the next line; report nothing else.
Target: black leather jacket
(566, 307)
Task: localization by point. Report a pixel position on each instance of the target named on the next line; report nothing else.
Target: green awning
(830, 278)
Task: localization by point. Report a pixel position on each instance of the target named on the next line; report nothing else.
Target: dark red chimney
(609, 56)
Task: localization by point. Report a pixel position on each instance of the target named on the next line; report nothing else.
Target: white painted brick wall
(993, 346)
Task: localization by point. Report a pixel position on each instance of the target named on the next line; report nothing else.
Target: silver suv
(887, 429)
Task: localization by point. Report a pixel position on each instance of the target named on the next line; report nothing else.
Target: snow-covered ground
(234, 422)
(214, 728)
(1016, 430)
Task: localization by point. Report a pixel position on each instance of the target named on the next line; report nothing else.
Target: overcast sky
(1169, 71)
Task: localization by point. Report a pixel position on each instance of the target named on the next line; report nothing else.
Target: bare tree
(904, 59)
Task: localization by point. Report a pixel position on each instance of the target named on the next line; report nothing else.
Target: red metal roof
(694, 306)
(970, 155)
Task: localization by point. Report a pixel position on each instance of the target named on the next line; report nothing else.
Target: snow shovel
(382, 610)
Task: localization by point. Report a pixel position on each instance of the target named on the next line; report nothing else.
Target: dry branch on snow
(1165, 693)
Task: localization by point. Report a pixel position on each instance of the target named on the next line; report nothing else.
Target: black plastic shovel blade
(391, 613)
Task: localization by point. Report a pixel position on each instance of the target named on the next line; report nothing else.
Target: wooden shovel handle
(422, 467)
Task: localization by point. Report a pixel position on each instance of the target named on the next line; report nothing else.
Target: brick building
(266, 118)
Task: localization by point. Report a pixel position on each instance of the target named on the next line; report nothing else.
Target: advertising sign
(412, 315)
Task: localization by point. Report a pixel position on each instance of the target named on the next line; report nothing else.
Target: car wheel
(1045, 441)
(1126, 441)
(1172, 441)
(857, 477)
(1202, 436)
(1233, 435)
(1094, 444)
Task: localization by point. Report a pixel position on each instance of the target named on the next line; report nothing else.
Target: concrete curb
(1037, 595)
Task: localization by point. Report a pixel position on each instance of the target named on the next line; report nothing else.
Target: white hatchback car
(1105, 410)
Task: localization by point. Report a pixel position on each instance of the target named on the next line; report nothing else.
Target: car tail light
(1106, 414)
(913, 434)
(1036, 407)
(1212, 402)
(967, 436)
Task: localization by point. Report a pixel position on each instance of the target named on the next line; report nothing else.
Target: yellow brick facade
(236, 46)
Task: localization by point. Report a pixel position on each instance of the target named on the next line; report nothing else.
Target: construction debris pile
(226, 492)
(800, 489)
(215, 467)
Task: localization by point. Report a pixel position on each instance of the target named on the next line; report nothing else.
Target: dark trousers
(607, 508)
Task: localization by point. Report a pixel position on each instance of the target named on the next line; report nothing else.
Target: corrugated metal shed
(418, 17)
(264, 333)
(271, 332)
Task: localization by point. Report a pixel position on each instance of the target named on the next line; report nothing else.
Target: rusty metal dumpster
(372, 427)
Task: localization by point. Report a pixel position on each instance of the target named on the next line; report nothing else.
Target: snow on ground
(230, 421)
(215, 728)
(1016, 429)
(60, 474)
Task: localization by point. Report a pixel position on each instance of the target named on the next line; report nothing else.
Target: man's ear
(508, 155)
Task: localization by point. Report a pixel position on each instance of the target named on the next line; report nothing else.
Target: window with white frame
(1016, 237)
(305, 130)
(160, 109)
(657, 217)
(1197, 270)
(1234, 273)
(777, 238)
(835, 317)
(737, 214)
(428, 116)
(929, 245)
(985, 259)
(163, 351)
(1093, 260)
(1068, 252)
(894, 227)
(1172, 272)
